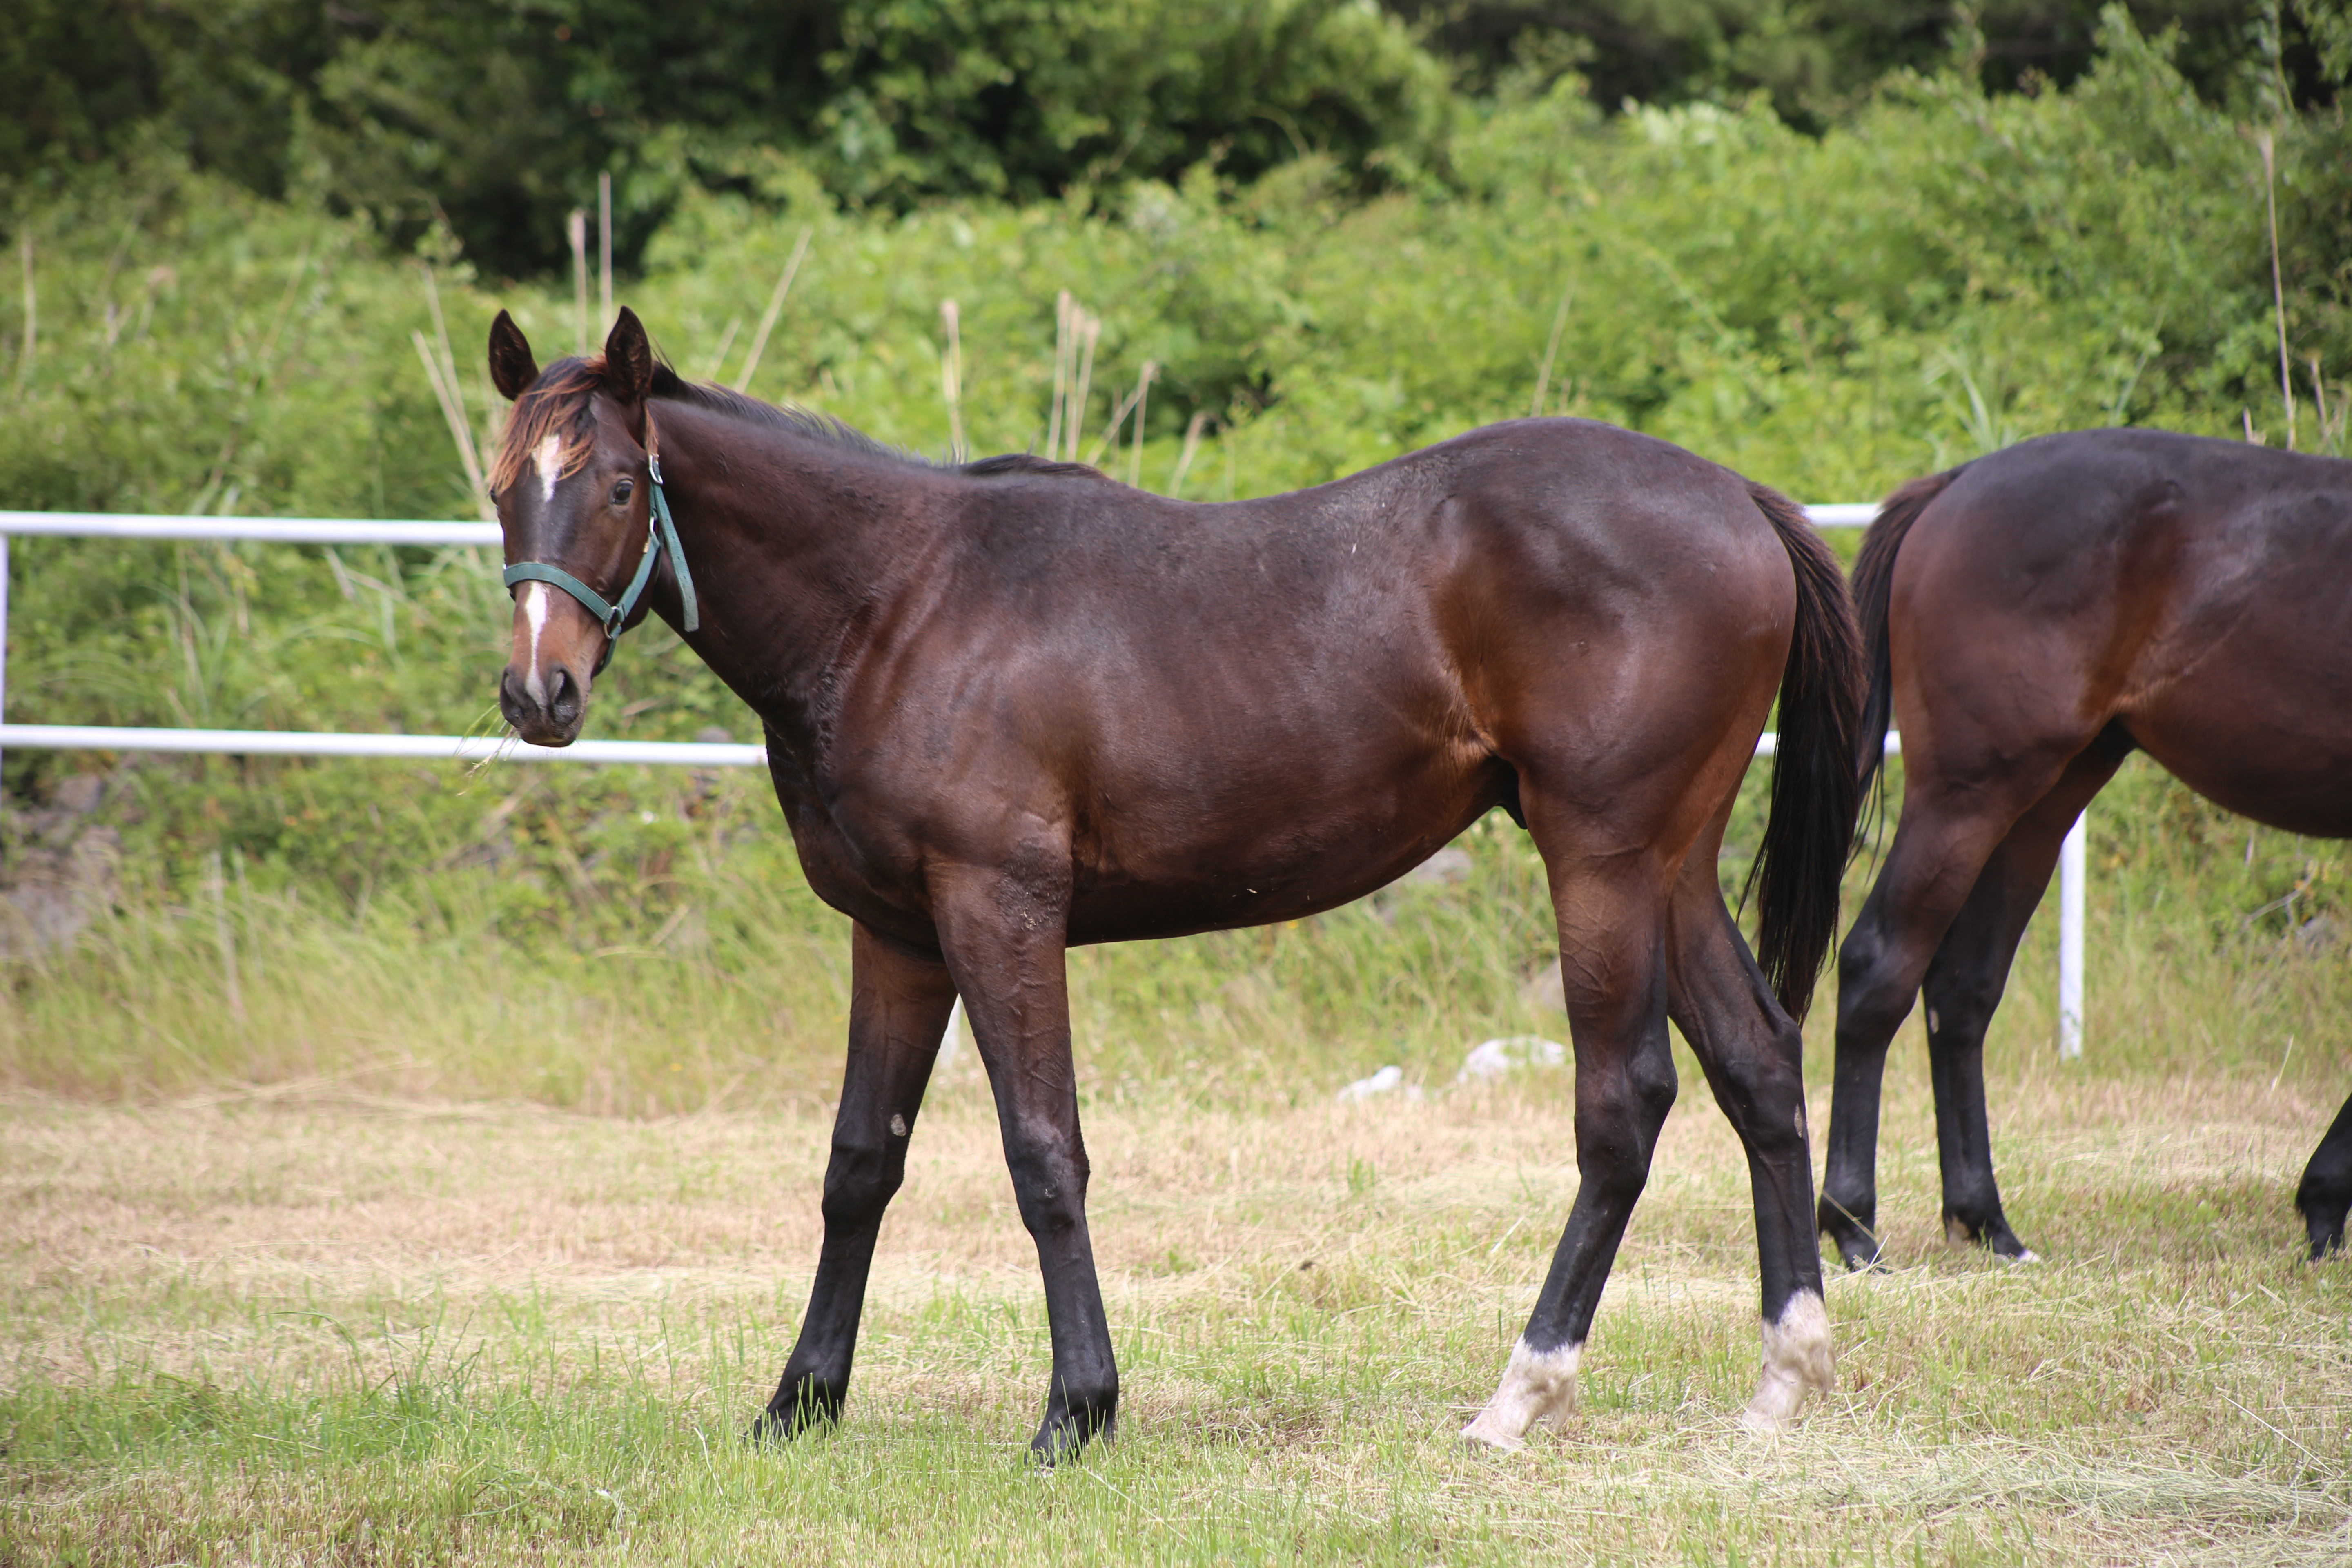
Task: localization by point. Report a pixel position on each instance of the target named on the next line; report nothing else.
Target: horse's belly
(2282, 757)
(1286, 869)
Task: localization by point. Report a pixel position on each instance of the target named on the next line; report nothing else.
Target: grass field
(338, 1267)
(305, 1325)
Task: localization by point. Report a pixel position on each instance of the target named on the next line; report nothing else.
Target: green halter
(660, 535)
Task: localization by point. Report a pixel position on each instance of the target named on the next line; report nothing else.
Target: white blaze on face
(1797, 1360)
(1537, 1386)
(534, 611)
(549, 460)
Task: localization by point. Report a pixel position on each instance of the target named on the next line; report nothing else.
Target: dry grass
(310, 1327)
(356, 1280)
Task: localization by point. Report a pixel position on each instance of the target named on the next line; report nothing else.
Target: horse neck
(791, 537)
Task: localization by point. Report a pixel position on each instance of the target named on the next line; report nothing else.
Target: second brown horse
(1012, 706)
(2032, 618)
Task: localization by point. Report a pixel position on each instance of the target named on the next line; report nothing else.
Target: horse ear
(512, 370)
(629, 359)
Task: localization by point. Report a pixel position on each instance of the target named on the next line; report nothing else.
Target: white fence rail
(432, 748)
(345, 531)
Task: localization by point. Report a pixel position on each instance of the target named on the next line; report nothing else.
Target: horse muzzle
(546, 711)
(545, 691)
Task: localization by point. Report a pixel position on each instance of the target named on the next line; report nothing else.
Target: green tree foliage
(497, 119)
(484, 124)
(1940, 271)
(1816, 58)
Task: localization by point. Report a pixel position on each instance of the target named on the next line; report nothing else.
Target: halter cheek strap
(661, 536)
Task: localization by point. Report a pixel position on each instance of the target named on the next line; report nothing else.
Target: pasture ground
(304, 1325)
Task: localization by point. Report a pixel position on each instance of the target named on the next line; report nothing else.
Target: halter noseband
(661, 535)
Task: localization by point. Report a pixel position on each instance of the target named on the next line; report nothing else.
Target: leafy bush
(1938, 274)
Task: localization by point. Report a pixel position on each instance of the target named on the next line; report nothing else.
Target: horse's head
(573, 493)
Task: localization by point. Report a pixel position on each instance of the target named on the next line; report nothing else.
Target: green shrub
(1938, 274)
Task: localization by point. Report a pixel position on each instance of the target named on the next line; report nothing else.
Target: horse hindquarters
(1644, 930)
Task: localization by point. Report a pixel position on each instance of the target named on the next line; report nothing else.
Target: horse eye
(621, 491)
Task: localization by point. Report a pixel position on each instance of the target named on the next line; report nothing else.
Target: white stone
(1498, 1058)
(1381, 1082)
(1447, 868)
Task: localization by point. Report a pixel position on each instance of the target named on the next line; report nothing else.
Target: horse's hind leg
(1612, 925)
(1929, 871)
(1964, 985)
(2326, 1191)
(1753, 1056)
(1947, 834)
(898, 1009)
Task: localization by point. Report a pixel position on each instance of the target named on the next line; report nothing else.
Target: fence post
(4, 630)
(2070, 942)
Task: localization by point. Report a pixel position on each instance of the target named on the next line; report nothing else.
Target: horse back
(1254, 710)
(2196, 592)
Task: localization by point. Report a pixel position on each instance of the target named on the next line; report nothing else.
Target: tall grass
(1833, 315)
(571, 952)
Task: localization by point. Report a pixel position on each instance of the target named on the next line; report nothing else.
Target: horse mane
(673, 387)
(1030, 463)
(557, 405)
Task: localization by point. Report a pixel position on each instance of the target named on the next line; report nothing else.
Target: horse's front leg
(898, 1008)
(1005, 930)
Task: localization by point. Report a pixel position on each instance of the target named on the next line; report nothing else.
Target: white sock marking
(549, 460)
(1797, 1360)
(534, 610)
(1537, 1386)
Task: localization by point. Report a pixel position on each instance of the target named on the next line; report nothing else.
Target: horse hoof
(1797, 1363)
(1479, 1435)
(771, 1429)
(1062, 1436)
(1861, 1256)
(785, 1419)
(1537, 1386)
(1994, 1235)
(1858, 1246)
(2003, 1242)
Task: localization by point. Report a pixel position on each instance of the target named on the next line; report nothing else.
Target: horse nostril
(564, 699)
(512, 703)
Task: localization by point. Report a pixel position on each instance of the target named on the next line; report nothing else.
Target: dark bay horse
(2033, 617)
(1012, 706)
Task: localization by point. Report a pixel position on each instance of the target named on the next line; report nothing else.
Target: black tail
(1874, 579)
(1815, 794)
